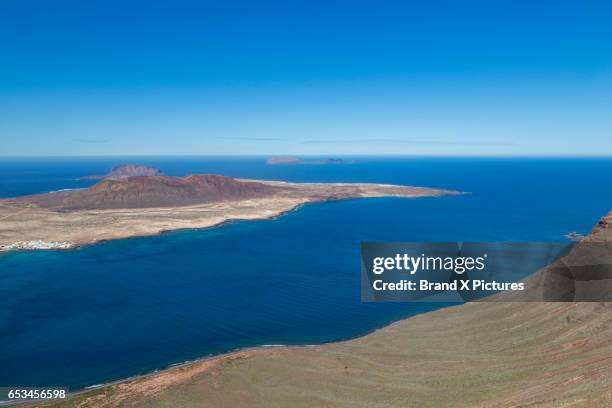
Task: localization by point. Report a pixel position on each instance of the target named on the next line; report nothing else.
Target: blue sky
(305, 77)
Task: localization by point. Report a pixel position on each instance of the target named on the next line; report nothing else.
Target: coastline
(157, 380)
(489, 347)
(210, 360)
(28, 223)
(545, 384)
(17, 246)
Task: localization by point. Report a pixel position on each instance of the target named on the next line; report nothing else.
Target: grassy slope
(474, 355)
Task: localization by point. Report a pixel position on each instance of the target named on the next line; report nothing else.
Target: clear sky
(305, 77)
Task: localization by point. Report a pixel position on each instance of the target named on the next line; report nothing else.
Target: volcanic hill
(153, 191)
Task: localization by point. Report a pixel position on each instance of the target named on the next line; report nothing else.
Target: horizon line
(382, 155)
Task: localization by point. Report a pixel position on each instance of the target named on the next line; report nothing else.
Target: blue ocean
(121, 308)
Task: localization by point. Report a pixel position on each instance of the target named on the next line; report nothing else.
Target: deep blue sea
(126, 307)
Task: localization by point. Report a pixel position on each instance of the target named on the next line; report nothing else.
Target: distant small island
(126, 170)
(135, 200)
(283, 160)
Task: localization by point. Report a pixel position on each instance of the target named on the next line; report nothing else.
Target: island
(139, 201)
(126, 170)
(284, 160)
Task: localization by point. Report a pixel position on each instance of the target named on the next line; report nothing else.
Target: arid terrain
(152, 192)
(291, 160)
(473, 355)
(121, 207)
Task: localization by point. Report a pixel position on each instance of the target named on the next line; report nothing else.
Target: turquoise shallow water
(107, 311)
